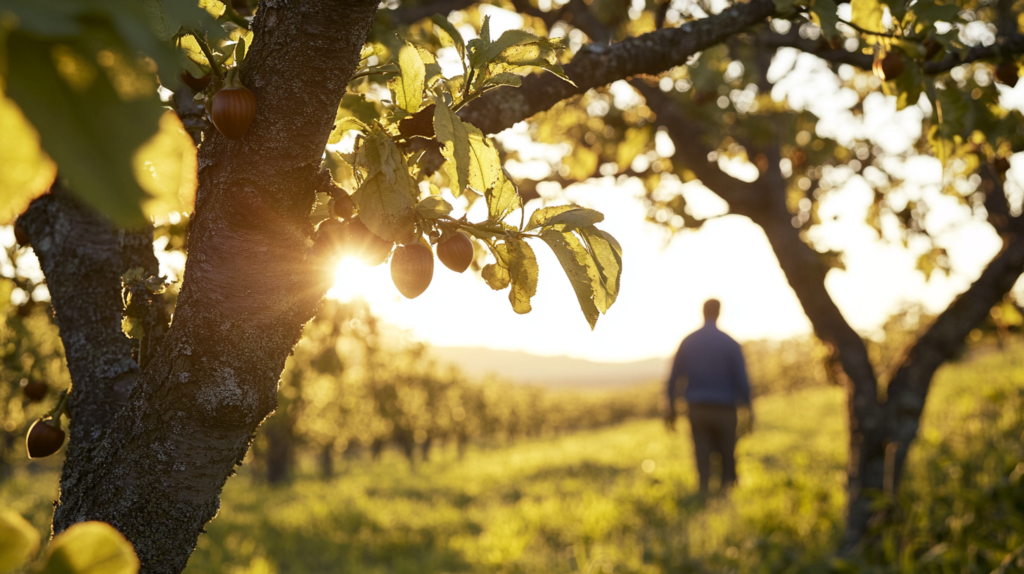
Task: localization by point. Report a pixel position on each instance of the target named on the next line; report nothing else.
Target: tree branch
(81, 258)
(405, 14)
(910, 383)
(596, 65)
(688, 137)
(574, 12)
(1006, 46)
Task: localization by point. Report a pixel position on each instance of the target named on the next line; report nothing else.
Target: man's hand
(670, 418)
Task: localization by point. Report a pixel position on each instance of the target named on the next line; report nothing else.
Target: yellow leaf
(27, 170)
(166, 168)
(90, 548)
(18, 540)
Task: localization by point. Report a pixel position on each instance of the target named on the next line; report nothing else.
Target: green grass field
(622, 499)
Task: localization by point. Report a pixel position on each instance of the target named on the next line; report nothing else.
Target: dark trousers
(714, 430)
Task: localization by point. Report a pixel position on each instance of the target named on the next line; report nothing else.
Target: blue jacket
(712, 364)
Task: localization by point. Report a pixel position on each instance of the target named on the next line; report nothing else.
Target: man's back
(712, 363)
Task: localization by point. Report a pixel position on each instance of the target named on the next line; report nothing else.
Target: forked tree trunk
(880, 432)
(151, 450)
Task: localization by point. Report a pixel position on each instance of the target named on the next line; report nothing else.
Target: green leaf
(867, 14)
(488, 51)
(506, 79)
(89, 129)
(163, 24)
(497, 274)
(386, 209)
(825, 15)
(433, 207)
(564, 217)
(502, 199)
(909, 85)
(354, 113)
(523, 272)
(451, 133)
(408, 86)
(928, 12)
(19, 540)
(450, 36)
(784, 6)
(90, 548)
(485, 30)
(579, 267)
(607, 255)
(484, 162)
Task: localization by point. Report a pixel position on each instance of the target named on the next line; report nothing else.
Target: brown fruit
(1006, 73)
(197, 84)
(456, 252)
(33, 390)
(45, 437)
(341, 205)
(20, 235)
(232, 111)
(412, 268)
(371, 249)
(889, 67)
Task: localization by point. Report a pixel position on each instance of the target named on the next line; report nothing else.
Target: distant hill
(552, 372)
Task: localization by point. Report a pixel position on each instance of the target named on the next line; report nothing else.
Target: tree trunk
(327, 461)
(280, 456)
(150, 452)
(880, 433)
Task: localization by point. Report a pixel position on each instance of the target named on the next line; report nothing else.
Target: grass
(622, 499)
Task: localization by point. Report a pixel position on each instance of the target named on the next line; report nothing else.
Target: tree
(977, 136)
(157, 426)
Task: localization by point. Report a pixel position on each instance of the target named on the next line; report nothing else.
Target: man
(711, 363)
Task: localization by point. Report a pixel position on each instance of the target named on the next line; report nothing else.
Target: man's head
(712, 307)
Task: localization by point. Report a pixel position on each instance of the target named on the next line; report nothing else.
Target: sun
(353, 279)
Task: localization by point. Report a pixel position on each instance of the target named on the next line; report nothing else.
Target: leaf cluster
(397, 191)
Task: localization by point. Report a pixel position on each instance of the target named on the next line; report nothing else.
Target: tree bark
(82, 258)
(155, 470)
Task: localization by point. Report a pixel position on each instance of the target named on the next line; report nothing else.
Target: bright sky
(666, 279)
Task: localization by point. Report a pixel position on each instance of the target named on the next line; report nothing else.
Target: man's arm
(678, 370)
(742, 383)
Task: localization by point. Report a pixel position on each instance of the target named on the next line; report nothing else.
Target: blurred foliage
(33, 366)
(355, 385)
(584, 502)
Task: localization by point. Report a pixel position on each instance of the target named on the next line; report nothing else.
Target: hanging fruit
(412, 268)
(45, 437)
(456, 252)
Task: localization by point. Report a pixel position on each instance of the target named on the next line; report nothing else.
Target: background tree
(157, 426)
